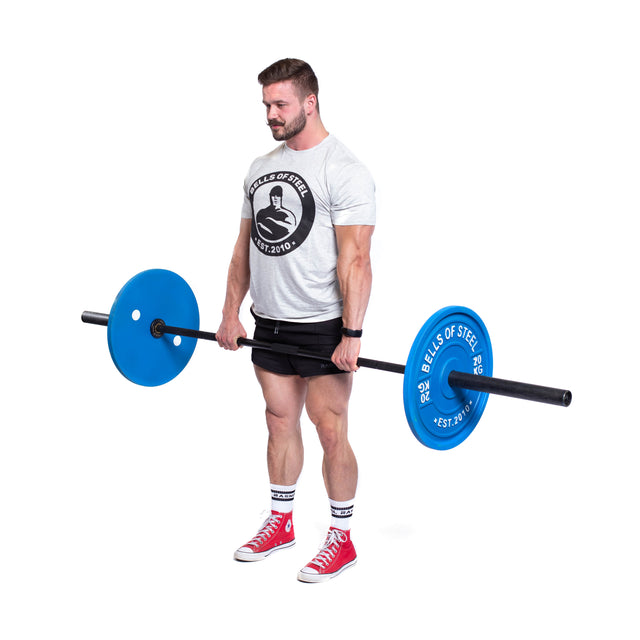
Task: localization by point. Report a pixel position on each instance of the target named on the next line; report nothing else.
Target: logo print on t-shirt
(283, 212)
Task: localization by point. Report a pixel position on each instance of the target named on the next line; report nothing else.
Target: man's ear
(310, 103)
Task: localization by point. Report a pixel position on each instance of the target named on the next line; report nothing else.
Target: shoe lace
(268, 528)
(330, 548)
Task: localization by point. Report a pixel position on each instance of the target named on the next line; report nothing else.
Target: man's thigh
(328, 397)
(284, 395)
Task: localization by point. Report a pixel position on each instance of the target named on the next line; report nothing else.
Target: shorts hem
(315, 374)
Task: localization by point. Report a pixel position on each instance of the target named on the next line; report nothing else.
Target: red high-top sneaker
(276, 533)
(336, 555)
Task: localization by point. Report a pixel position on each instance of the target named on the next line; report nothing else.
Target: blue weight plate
(453, 339)
(148, 296)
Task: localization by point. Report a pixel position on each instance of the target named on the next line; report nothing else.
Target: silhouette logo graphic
(283, 212)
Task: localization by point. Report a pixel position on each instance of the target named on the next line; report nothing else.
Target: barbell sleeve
(520, 390)
(92, 317)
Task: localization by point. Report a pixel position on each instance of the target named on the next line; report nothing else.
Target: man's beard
(290, 129)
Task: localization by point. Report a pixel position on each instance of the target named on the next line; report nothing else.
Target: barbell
(152, 330)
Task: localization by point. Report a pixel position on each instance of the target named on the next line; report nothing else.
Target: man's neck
(312, 135)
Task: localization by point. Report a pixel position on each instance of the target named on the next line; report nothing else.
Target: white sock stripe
(283, 493)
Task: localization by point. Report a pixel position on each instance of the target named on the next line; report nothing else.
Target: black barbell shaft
(473, 382)
(158, 327)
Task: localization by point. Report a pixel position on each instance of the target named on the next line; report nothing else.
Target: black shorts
(317, 337)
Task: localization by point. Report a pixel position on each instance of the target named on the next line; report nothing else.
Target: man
(310, 288)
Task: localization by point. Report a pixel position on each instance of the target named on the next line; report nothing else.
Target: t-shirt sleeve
(353, 196)
(246, 211)
(246, 206)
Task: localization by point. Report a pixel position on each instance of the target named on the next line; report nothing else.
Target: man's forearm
(238, 277)
(354, 273)
(237, 287)
(355, 283)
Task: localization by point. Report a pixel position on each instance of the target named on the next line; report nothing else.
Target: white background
(503, 137)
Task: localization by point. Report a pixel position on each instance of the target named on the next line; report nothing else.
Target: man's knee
(282, 425)
(332, 432)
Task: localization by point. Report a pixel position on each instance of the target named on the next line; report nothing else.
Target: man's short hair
(297, 71)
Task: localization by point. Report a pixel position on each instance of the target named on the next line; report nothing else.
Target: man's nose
(272, 113)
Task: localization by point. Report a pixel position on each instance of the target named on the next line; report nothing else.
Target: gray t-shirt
(295, 198)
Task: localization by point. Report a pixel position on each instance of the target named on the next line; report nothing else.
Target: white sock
(282, 498)
(341, 513)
